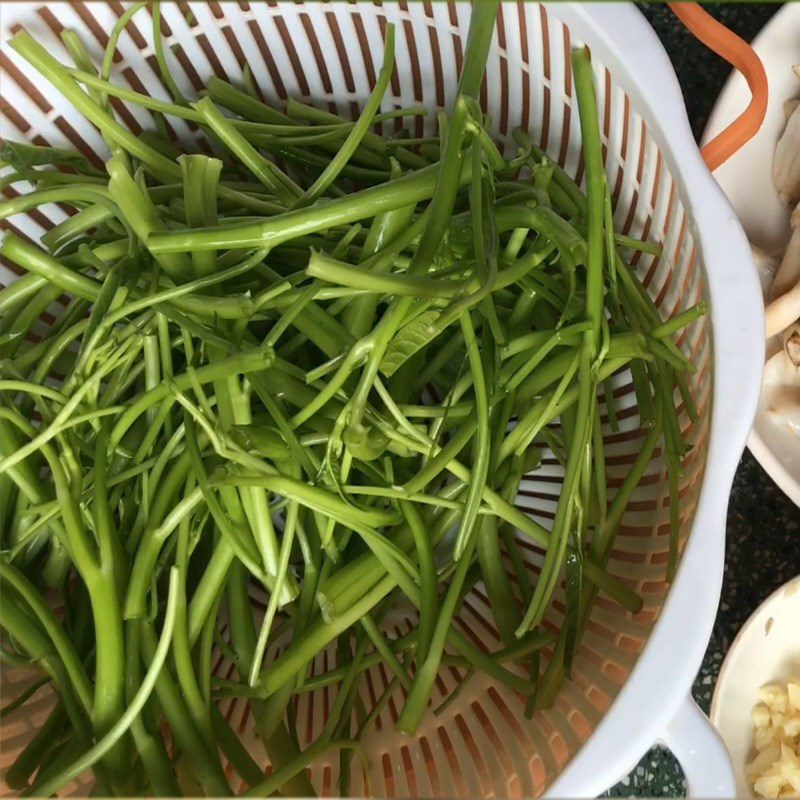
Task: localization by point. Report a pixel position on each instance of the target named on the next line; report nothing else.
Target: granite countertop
(763, 536)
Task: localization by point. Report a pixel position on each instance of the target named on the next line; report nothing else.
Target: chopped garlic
(775, 697)
(761, 717)
(775, 771)
(794, 696)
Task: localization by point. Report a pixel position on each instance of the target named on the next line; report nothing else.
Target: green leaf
(262, 440)
(23, 157)
(409, 339)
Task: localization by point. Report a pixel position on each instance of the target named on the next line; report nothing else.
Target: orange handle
(737, 52)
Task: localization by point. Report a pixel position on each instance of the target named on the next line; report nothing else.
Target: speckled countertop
(763, 547)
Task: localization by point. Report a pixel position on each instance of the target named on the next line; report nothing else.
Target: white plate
(767, 650)
(747, 180)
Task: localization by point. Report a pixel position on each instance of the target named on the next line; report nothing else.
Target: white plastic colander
(632, 675)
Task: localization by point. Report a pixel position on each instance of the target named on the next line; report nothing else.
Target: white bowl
(747, 181)
(767, 650)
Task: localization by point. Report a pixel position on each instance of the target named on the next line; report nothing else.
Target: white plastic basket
(632, 673)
